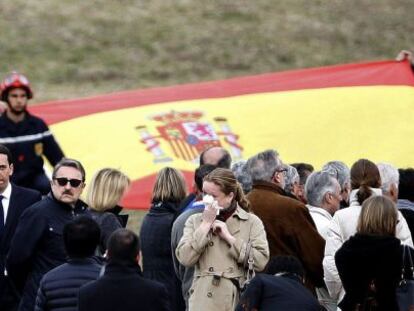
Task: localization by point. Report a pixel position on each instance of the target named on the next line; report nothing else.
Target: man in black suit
(13, 201)
(122, 287)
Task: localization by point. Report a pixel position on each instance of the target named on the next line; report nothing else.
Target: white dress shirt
(6, 200)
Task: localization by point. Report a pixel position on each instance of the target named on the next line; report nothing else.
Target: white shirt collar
(319, 210)
(7, 192)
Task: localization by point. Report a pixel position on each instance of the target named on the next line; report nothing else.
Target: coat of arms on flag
(187, 136)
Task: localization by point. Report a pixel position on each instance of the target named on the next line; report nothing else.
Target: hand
(403, 55)
(209, 214)
(220, 228)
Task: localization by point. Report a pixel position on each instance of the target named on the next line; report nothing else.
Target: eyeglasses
(282, 170)
(63, 181)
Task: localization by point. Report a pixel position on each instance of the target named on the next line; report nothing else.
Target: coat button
(211, 243)
(211, 269)
(209, 295)
(231, 269)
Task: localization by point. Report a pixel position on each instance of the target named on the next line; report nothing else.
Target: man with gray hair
(289, 227)
(292, 182)
(390, 179)
(324, 196)
(341, 172)
(239, 169)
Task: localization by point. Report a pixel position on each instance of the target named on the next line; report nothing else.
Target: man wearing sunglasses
(37, 246)
(27, 136)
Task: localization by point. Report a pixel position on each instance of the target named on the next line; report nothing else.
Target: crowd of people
(251, 235)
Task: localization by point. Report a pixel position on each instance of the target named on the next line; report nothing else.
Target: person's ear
(11, 169)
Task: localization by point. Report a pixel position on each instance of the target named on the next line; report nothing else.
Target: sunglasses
(63, 181)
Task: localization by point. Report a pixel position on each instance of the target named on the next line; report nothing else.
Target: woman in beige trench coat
(218, 245)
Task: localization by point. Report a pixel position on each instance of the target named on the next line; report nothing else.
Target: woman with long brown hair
(370, 262)
(365, 183)
(219, 243)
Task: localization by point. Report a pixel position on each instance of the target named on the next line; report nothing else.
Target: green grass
(74, 48)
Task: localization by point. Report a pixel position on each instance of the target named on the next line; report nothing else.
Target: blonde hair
(106, 189)
(227, 182)
(378, 216)
(169, 186)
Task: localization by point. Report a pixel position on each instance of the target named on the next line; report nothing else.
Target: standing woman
(365, 183)
(107, 188)
(218, 245)
(370, 262)
(169, 190)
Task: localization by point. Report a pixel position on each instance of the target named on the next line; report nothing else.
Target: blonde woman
(107, 188)
(218, 243)
(169, 190)
(369, 263)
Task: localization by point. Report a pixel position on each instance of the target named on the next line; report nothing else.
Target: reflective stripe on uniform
(24, 138)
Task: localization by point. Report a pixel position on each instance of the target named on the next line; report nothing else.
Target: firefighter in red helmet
(27, 136)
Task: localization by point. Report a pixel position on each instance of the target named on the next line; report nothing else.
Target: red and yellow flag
(314, 115)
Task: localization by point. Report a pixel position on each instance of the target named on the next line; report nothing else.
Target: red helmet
(12, 81)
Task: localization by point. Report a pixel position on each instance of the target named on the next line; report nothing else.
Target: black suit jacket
(20, 199)
(123, 288)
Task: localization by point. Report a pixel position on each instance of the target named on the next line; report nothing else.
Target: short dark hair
(66, 162)
(6, 151)
(201, 172)
(285, 264)
(123, 246)
(81, 237)
(304, 170)
(406, 185)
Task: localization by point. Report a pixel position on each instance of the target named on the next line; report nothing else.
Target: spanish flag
(313, 115)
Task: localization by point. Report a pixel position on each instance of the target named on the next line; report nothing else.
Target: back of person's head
(304, 170)
(317, 185)
(123, 246)
(217, 156)
(81, 237)
(4, 150)
(285, 265)
(364, 175)
(406, 186)
(239, 170)
(106, 189)
(263, 165)
(227, 182)
(291, 178)
(378, 216)
(389, 177)
(340, 171)
(169, 186)
(201, 172)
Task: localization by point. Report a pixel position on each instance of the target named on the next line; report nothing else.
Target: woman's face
(223, 200)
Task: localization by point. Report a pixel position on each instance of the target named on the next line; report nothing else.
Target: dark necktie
(1, 216)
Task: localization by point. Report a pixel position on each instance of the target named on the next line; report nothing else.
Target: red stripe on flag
(364, 74)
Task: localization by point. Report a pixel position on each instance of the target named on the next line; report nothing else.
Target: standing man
(37, 246)
(123, 287)
(289, 227)
(27, 136)
(13, 201)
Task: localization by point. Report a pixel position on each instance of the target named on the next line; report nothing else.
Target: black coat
(123, 288)
(364, 258)
(156, 250)
(268, 293)
(37, 245)
(59, 288)
(38, 141)
(20, 199)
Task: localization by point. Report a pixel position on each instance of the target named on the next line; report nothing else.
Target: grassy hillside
(73, 48)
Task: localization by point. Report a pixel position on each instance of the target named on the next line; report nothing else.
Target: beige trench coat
(217, 265)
